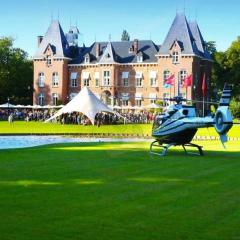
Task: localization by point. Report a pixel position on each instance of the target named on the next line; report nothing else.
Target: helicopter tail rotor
(223, 118)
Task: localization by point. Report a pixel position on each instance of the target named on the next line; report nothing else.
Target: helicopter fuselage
(178, 125)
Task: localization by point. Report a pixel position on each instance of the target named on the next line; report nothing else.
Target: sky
(102, 20)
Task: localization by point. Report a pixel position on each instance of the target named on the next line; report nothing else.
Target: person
(10, 118)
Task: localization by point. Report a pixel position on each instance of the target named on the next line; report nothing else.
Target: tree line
(16, 74)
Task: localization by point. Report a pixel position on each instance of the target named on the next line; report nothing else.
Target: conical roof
(56, 39)
(180, 32)
(199, 40)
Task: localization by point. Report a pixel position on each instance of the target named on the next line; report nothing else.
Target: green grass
(38, 127)
(118, 191)
(20, 127)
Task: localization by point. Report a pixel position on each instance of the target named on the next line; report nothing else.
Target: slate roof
(180, 32)
(56, 39)
(108, 55)
(199, 40)
(121, 53)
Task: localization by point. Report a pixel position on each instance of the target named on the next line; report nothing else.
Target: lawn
(20, 127)
(118, 191)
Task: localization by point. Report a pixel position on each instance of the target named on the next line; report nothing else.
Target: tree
(16, 73)
(235, 108)
(211, 47)
(125, 36)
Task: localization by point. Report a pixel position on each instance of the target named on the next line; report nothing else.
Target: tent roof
(85, 102)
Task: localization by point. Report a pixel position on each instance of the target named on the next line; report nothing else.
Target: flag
(170, 80)
(204, 89)
(187, 81)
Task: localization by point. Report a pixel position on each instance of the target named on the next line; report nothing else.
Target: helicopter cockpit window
(185, 112)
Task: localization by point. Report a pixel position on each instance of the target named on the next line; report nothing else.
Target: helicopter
(178, 125)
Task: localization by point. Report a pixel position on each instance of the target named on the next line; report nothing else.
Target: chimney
(97, 50)
(39, 38)
(135, 46)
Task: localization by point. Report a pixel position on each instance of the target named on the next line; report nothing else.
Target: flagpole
(203, 105)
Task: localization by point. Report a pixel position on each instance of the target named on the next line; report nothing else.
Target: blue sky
(24, 20)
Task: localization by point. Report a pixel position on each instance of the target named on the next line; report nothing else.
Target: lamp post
(8, 104)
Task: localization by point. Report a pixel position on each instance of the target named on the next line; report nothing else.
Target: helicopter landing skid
(166, 147)
(200, 151)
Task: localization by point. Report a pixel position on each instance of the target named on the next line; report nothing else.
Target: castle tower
(51, 67)
(183, 53)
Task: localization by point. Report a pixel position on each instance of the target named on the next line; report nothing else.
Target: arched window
(55, 79)
(182, 75)
(166, 75)
(40, 99)
(175, 57)
(41, 79)
(54, 99)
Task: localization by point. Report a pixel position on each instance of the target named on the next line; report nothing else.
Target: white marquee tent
(85, 102)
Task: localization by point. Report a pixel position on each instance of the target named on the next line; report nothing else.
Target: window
(41, 79)
(139, 80)
(152, 97)
(86, 82)
(182, 75)
(125, 79)
(41, 99)
(49, 60)
(55, 79)
(166, 97)
(74, 82)
(87, 59)
(175, 57)
(125, 102)
(96, 76)
(166, 75)
(153, 78)
(106, 78)
(54, 99)
(85, 78)
(139, 58)
(138, 102)
(125, 82)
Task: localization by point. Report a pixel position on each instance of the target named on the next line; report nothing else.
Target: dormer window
(139, 58)
(108, 55)
(131, 49)
(87, 59)
(49, 60)
(175, 57)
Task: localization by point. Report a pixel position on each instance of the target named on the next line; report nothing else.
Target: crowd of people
(75, 118)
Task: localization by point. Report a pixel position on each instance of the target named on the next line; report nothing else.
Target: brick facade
(120, 86)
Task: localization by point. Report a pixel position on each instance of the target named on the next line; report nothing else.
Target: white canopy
(153, 106)
(7, 105)
(85, 102)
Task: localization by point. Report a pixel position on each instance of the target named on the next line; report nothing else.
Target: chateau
(124, 73)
